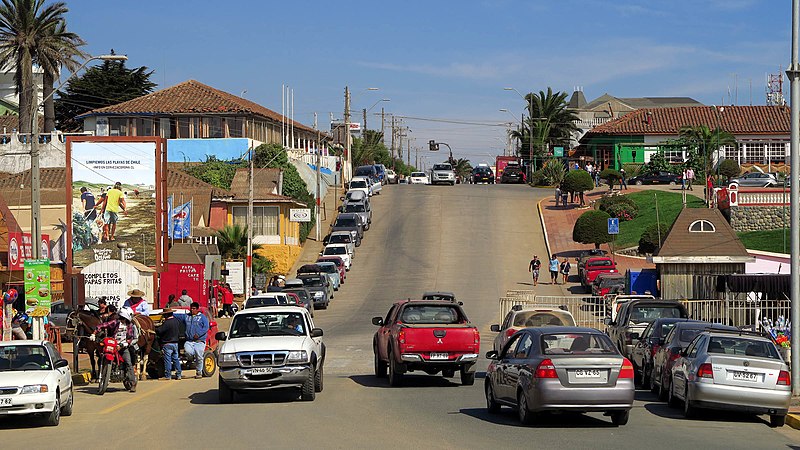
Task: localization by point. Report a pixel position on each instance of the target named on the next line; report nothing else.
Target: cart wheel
(209, 364)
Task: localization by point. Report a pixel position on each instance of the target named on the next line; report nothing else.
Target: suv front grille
(260, 359)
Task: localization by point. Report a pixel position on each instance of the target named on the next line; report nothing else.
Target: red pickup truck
(593, 267)
(427, 335)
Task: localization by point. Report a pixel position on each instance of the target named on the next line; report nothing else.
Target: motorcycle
(111, 368)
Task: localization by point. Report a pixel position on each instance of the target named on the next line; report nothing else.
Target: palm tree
(58, 49)
(23, 26)
(462, 168)
(365, 149)
(704, 140)
(549, 122)
(232, 244)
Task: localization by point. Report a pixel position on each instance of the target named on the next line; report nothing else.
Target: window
(577, 343)
(730, 152)
(776, 151)
(524, 347)
(117, 127)
(215, 129)
(674, 156)
(265, 219)
(753, 153)
(235, 126)
(144, 127)
(183, 127)
(702, 226)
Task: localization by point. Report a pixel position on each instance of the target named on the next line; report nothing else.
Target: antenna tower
(775, 89)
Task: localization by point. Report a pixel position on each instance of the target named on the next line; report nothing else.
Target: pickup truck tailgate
(439, 342)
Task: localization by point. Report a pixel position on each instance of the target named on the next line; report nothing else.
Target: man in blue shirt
(196, 333)
(553, 269)
(87, 200)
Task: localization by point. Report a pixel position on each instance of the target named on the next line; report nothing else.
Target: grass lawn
(767, 241)
(669, 205)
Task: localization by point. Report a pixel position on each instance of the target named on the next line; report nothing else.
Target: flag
(181, 221)
(169, 216)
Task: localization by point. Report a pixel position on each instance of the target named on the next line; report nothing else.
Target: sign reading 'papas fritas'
(110, 280)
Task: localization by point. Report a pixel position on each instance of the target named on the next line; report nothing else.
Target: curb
(544, 227)
(793, 420)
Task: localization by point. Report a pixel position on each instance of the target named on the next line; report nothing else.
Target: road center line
(134, 399)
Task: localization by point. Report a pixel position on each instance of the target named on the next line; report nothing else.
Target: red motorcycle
(111, 368)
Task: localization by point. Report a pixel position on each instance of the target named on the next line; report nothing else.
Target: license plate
(5, 402)
(587, 373)
(746, 376)
(439, 356)
(261, 370)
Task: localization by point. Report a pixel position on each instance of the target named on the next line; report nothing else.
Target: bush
(553, 172)
(592, 228)
(537, 178)
(612, 176)
(729, 168)
(620, 206)
(649, 241)
(578, 181)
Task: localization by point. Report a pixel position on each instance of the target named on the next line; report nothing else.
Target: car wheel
(467, 378)
(525, 414)
(66, 410)
(620, 418)
(639, 182)
(307, 392)
(395, 378)
(688, 410)
(491, 403)
(54, 418)
(777, 420)
(224, 393)
(209, 364)
(318, 379)
(672, 183)
(380, 366)
(672, 400)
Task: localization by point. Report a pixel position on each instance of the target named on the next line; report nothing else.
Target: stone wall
(758, 218)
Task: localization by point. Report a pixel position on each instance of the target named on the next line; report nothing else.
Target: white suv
(269, 348)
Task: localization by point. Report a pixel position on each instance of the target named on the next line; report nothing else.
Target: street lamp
(370, 109)
(348, 167)
(521, 122)
(36, 231)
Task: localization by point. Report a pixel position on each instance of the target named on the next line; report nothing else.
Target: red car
(339, 265)
(593, 267)
(427, 335)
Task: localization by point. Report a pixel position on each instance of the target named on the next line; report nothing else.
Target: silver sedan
(560, 369)
(733, 371)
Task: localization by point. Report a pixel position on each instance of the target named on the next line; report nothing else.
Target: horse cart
(155, 366)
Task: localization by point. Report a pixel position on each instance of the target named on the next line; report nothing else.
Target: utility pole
(794, 196)
(383, 125)
(364, 128)
(408, 150)
(248, 270)
(347, 167)
(319, 177)
(393, 138)
(36, 224)
(416, 157)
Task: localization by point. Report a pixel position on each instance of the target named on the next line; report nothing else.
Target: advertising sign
(235, 276)
(114, 200)
(179, 220)
(300, 215)
(20, 248)
(558, 152)
(110, 280)
(37, 286)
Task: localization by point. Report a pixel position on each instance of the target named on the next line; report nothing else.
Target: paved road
(474, 240)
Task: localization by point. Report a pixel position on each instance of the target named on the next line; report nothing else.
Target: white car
(360, 184)
(391, 176)
(268, 348)
(344, 237)
(418, 178)
(34, 379)
(539, 316)
(339, 250)
(267, 299)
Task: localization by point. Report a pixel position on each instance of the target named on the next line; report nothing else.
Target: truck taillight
(477, 336)
(401, 337)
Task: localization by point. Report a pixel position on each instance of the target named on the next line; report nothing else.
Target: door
(384, 334)
(517, 363)
(503, 361)
(638, 353)
(682, 370)
(63, 373)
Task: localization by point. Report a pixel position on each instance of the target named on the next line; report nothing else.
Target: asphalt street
(473, 240)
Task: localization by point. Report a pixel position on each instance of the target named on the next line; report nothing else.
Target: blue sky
(447, 59)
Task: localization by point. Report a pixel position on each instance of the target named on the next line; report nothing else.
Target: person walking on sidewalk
(690, 177)
(565, 268)
(196, 333)
(533, 267)
(168, 335)
(622, 178)
(558, 195)
(553, 269)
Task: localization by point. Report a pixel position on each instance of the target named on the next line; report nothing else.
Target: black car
(348, 222)
(482, 174)
(660, 177)
(649, 342)
(512, 174)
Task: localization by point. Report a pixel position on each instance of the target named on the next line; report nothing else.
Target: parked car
(332, 272)
(560, 369)
(271, 348)
(319, 287)
(732, 370)
(645, 348)
(267, 299)
(342, 237)
(439, 295)
(391, 176)
(418, 178)
(403, 181)
(306, 301)
(349, 222)
(520, 317)
(332, 269)
(512, 174)
(670, 350)
(35, 380)
(359, 208)
(380, 170)
(339, 262)
(593, 267)
(443, 173)
(339, 250)
(355, 196)
(634, 316)
(608, 283)
(482, 174)
(360, 184)
(660, 177)
(614, 302)
(427, 335)
(756, 179)
(368, 171)
(60, 311)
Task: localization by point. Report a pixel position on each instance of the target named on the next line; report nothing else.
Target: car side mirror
(377, 321)
(320, 253)
(221, 336)
(492, 354)
(316, 332)
(495, 328)
(61, 363)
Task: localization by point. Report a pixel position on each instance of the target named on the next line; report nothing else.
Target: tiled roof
(265, 184)
(178, 180)
(190, 97)
(738, 120)
(682, 243)
(50, 178)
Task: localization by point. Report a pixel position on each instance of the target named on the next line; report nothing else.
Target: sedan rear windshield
(355, 208)
(313, 281)
(15, 358)
(418, 174)
(335, 251)
(328, 268)
(541, 319)
(358, 184)
(647, 314)
(577, 344)
(341, 239)
(254, 302)
(345, 223)
(442, 314)
(742, 347)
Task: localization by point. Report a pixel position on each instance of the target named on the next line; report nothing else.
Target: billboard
(20, 248)
(115, 199)
(37, 286)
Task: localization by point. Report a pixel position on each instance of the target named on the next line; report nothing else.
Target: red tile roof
(191, 97)
(738, 120)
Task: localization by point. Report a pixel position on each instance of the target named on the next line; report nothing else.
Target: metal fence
(588, 311)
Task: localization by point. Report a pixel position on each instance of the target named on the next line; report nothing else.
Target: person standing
(196, 334)
(87, 200)
(137, 302)
(168, 335)
(563, 197)
(690, 177)
(683, 179)
(622, 178)
(184, 300)
(565, 268)
(114, 204)
(172, 302)
(558, 195)
(533, 267)
(227, 300)
(553, 266)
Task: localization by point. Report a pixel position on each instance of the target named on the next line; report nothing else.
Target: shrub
(592, 228)
(553, 172)
(729, 168)
(649, 241)
(620, 206)
(578, 181)
(612, 176)
(537, 178)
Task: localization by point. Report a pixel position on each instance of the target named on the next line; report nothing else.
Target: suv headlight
(299, 356)
(228, 360)
(34, 389)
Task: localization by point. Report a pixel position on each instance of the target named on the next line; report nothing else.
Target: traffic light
(433, 146)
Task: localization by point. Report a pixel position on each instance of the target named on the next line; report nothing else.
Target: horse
(147, 334)
(82, 325)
